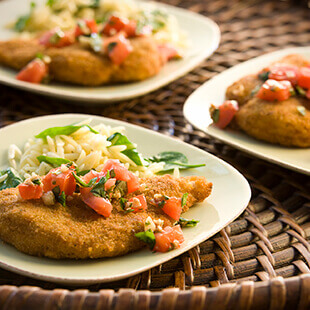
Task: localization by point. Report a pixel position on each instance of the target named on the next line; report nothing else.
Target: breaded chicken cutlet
(77, 64)
(284, 122)
(78, 232)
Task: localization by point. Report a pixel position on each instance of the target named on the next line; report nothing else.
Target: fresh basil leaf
(82, 173)
(148, 237)
(81, 183)
(23, 20)
(131, 151)
(12, 180)
(99, 188)
(59, 196)
(187, 223)
(301, 91)
(121, 187)
(172, 160)
(53, 161)
(184, 199)
(65, 130)
(264, 75)
(123, 203)
(36, 181)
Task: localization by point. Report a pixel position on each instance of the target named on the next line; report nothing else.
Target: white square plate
(203, 35)
(196, 111)
(230, 196)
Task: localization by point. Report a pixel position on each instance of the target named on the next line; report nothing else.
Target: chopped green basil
(50, 3)
(99, 189)
(255, 90)
(111, 46)
(55, 38)
(59, 196)
(131, 151)
(53, 161)
(264, 75)
(36, 181)
(12, 180)
(65, 130)
(148, 237)
(187, 223)
(184, 199)
(172, 160)
(123, 202)
(215, 114)
(121, 187)
(300, 91)
(81, 183)
(81, 173)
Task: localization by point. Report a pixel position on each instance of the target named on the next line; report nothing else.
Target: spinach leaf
(131, 151)
(23, 20)
(148, 237)
(172, 160)
(65, 130)
(187, 223)
(53, 161)
(12, 180)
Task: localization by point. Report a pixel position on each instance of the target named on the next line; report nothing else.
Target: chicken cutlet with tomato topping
(77, 64)
(244, 89)
(78, 230)
(273, 103)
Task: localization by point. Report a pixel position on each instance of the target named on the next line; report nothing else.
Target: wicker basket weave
(262, 259)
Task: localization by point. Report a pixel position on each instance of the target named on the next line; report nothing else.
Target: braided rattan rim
(268, 244)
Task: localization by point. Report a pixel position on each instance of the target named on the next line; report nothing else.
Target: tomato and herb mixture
(280, 82)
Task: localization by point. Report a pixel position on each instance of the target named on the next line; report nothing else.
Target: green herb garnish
(187, 223)
(131, 151)
(12, 180)
(184, 199)
(65, 130)
(264, 75)
(81, 183)
(300, 91)
(172, 160)
(36, 181)
(148, 237)
(23, 20)
(53, 161)
(59, 196)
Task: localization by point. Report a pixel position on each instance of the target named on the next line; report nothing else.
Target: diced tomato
(133, 183)
(273, 90)
(224, 114)
(308, 93)
(122, 174)
(168, 51)
(283, 72)
(101, 205)
(142, 204)
(114, 25)
(93, 174)
(304, 78)
(109, 183)
(118, 48)
(30, 191)
(57, 38)
(86, 27)
(169, 239)
(173, 208)
(65, 181)
(34, 72)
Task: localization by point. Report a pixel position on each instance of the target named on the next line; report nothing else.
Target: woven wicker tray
(259, 261)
